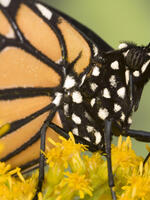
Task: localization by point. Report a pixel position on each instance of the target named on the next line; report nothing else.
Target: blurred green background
(116, 21)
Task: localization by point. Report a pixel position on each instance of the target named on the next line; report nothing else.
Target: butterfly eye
(135, 58)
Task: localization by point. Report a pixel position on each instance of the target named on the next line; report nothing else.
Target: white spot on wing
(44, 11)
(121, 92)
(97, 137)
(57, 99)
(76, 119)
(69, 82)
(93, 86)
(83, 79)
(59, 61)
(145, 66)
(103, 113)
(117, 107)
(115, 65)
(122, 45)
(76, 97)
(112, 81)
(106, 93)
(5, 3)
(10, 34)
(136, 73)
(127, 76)
(95, 49)
(96, 71)
(6, 49)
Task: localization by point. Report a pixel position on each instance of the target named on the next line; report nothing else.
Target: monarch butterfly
(60, 77)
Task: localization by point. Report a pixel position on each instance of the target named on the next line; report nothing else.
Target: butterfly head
(137, 60)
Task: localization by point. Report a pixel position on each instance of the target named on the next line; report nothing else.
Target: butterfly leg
(78, 139)
(42, 149)
(41, 160)
(146, 158)
(107, 138)
(139, 135)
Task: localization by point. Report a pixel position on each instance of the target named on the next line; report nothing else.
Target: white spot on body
(136, 73)
(86, 138)
(148, 54)
(106, 93)
(89, 128)
(117, 107)
(96, 71)
(44, 11)
(87, 116)
(121, 92)
(57, 99)
(103, 113)
(115, 65)
(66, 109)
(75, 131)
(112, 81)
(93, 86)
(126, 53)
(97, 137)
(129, 120)
(127, 76)
(122, 45)
(69, 82)
(5, 3)
(122, 116)
(145, 65)
(92, 102)
(76, 97)
(76, 119)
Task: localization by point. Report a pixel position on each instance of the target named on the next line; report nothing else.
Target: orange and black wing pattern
(37, 44)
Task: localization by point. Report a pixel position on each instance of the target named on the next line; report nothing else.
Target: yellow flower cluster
(62, 184)
(132, 178)
(87, 177)
(73, 174)
(15, 188)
